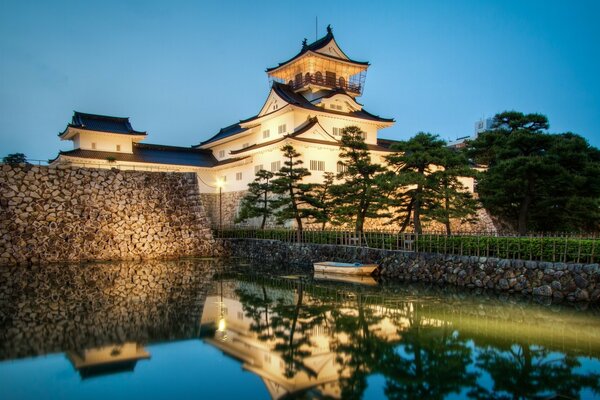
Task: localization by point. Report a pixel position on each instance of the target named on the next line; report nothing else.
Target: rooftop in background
(101, 123)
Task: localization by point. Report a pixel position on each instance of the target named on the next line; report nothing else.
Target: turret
(321, 65)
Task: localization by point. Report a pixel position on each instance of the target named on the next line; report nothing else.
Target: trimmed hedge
(552, 249)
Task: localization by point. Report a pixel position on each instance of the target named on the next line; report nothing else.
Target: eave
(72, 130)
(359, 65)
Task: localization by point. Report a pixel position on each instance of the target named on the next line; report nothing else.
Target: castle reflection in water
(323, 342)
(156, 328)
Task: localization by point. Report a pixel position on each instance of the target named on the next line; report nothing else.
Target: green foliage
(322, 200)
(537, 180)
(557, 249)
(363, 192)
(451, 199)
(425, 177)
(15, 159)
(292, 201)
(257, 202)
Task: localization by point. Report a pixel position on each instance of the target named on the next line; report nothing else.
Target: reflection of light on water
(222, 325)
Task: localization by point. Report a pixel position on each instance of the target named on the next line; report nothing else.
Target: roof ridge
(97, 116)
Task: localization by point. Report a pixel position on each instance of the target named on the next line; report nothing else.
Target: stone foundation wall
(572, 282)
(51, 214)
(230, 204)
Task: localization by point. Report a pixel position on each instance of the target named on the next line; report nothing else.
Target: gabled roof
(318, 45)
(153, 154)
(297, 135)
(101, 123)
(312, 122)
(289, 95)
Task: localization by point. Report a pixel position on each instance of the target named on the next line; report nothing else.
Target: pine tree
(362, 194)
(322, 200)
(536, 180)
(413, 163)
(257, 202)
(292, 200)
(452, 198)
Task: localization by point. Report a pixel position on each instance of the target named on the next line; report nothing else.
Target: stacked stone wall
(571, 282)
(228, 209)
(52, 214)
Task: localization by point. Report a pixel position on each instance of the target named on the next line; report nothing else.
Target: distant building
(481, 125)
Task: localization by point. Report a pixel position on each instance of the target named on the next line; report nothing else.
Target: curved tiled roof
(287, 94)
(153, 154)
(228, 131)
(317, 45)
(102, 123)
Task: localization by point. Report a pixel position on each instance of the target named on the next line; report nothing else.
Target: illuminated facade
(312, 98)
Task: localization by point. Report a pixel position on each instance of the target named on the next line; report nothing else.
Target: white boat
(332, 267)
(356, 279)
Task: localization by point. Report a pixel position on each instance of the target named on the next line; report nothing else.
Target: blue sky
(182, 70)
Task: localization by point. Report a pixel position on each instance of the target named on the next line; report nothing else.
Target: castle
(312, 99)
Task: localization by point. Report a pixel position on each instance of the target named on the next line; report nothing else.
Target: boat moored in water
(331, 267)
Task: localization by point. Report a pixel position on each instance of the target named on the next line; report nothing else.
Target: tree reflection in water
(524, 371)
(423, 349)
(429, 362)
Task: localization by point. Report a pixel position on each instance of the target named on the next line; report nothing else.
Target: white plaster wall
(104, 142)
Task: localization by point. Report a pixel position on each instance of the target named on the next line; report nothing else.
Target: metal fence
(556, 247)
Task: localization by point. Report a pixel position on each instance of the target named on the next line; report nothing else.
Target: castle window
(341, 167)
(118, 147)
(342, 82)
(275, 166)
(221, 153)
(298, 80)
(319, 77)
(281, 129)
(337, 131)
(316, 165)
(330, 78)
(257, 168)
(266, 133)
(93, 146)
(238, 176)
(307, 78)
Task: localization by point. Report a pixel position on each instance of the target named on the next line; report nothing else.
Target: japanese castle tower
(313, 97)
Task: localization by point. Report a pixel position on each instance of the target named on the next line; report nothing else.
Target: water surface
(218, 329)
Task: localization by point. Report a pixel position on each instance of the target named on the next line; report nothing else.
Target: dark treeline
(527, 178)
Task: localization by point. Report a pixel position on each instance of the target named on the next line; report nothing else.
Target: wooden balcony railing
(326, 81)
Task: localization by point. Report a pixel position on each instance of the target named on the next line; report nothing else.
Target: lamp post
(220, 184)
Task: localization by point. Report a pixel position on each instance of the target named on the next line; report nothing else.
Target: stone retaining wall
(572, 282)
(51, 214)
(230, 204)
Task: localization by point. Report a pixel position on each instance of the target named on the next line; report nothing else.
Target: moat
(207, 328)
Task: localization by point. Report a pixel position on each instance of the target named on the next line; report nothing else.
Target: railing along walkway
(557, 247)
